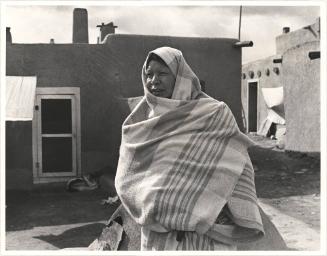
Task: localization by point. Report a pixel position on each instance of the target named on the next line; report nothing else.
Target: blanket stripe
(214, 155)
(189, 180)
(190, 242)
(182, 160)
(191, 149)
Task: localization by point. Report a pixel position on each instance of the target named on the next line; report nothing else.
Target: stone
(110, 238)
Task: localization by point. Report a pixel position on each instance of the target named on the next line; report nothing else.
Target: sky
(260, 24)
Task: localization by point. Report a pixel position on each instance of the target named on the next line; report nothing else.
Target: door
(56, 135)
(252, 106)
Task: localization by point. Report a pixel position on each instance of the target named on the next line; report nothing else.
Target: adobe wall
(298, 37)
(302, 98)
(214, 60)
(300, 78)
(91, 68)
(19, 155)
(264, 81)
(109, 73)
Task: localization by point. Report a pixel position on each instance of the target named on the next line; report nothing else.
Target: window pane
(57, 154)
(56, 116)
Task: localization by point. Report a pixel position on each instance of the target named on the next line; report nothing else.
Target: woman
(184, 174)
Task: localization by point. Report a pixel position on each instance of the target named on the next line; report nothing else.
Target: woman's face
(160, 81)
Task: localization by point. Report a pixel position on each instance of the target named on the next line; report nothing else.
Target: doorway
(252, 106)
(56, 130)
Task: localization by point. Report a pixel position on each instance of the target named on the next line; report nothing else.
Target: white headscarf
(187, 85)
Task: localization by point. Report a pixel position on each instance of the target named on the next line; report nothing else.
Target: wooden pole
(239, 24)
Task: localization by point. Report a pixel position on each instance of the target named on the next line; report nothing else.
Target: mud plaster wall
(91, 68)
(298, 37)
(302, 98)
(214, 61)
(109, 73)
(271, 81)
(19, 154)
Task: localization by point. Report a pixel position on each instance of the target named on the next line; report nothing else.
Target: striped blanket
(180, 167)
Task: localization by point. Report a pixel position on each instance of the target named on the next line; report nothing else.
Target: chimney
(80, 26)
(106, 29)
(8, 36)
(52, 41)
(286, 30)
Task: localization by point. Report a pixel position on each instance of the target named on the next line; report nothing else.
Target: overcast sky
(261, 24)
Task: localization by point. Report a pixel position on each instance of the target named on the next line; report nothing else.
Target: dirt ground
(290, 182)
(50, 218)
(53, 218)
(288, 187)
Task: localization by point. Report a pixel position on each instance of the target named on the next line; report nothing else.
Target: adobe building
(281, 93)
(66, 102)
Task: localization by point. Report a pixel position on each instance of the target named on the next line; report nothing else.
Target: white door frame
(56, 93)
(247, 97)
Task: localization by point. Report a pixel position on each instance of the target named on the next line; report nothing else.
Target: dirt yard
(50, 218)
(288, 186)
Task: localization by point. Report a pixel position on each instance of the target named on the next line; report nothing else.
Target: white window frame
(57, 93)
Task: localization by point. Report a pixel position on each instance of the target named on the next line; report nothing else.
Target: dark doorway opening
(252, 106)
